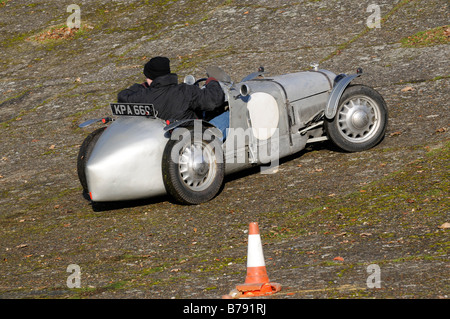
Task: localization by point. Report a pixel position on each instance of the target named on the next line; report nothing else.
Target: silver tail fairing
(125, 164)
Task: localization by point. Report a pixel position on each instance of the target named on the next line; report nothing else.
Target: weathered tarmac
(324, 217)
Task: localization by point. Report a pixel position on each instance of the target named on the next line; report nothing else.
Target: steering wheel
(200, 80)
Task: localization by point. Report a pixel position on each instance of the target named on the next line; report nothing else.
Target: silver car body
(281, 113)
(125, 163)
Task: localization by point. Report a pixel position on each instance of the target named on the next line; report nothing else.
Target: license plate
(133, 109)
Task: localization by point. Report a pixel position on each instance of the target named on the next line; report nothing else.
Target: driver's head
(157, 66)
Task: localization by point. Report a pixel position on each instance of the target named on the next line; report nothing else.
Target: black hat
(157, 66)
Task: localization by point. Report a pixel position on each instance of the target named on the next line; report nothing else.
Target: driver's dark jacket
(175, 101)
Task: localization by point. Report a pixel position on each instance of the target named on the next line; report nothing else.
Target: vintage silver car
(140, 155)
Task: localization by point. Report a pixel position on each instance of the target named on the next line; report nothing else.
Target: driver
(175, 101)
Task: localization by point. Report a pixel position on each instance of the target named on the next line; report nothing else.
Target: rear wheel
(193, 168)
(84, 154)
(360, 121)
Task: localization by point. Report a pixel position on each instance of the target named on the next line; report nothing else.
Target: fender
(193, 122)
(185, 123)
(338, 90)
(92, 121)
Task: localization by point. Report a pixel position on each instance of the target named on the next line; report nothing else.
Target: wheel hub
(196, 167)
(358, 119)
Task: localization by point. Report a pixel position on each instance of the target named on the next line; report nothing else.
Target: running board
(317, 139)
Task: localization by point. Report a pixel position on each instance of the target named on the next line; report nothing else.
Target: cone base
(258, 289)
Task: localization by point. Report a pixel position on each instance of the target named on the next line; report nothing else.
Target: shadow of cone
(257, 281)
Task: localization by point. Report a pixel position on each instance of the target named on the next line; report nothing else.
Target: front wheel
(193, 168)
(361, 119)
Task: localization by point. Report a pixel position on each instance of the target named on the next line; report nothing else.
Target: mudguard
(195, 123)
(335, 96)
(184, 123)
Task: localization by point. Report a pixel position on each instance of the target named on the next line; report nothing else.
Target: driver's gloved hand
(210, 79)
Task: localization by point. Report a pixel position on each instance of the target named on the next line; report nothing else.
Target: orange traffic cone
(257, 282)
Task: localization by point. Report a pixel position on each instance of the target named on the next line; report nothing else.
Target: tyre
(193, 168)
(360, 121)
(84, 154)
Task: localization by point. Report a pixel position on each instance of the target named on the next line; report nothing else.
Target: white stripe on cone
(255, 255)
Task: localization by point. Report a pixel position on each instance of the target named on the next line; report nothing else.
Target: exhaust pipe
(245, 90)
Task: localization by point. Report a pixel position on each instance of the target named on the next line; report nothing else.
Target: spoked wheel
(193, 168)
(361, 119)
